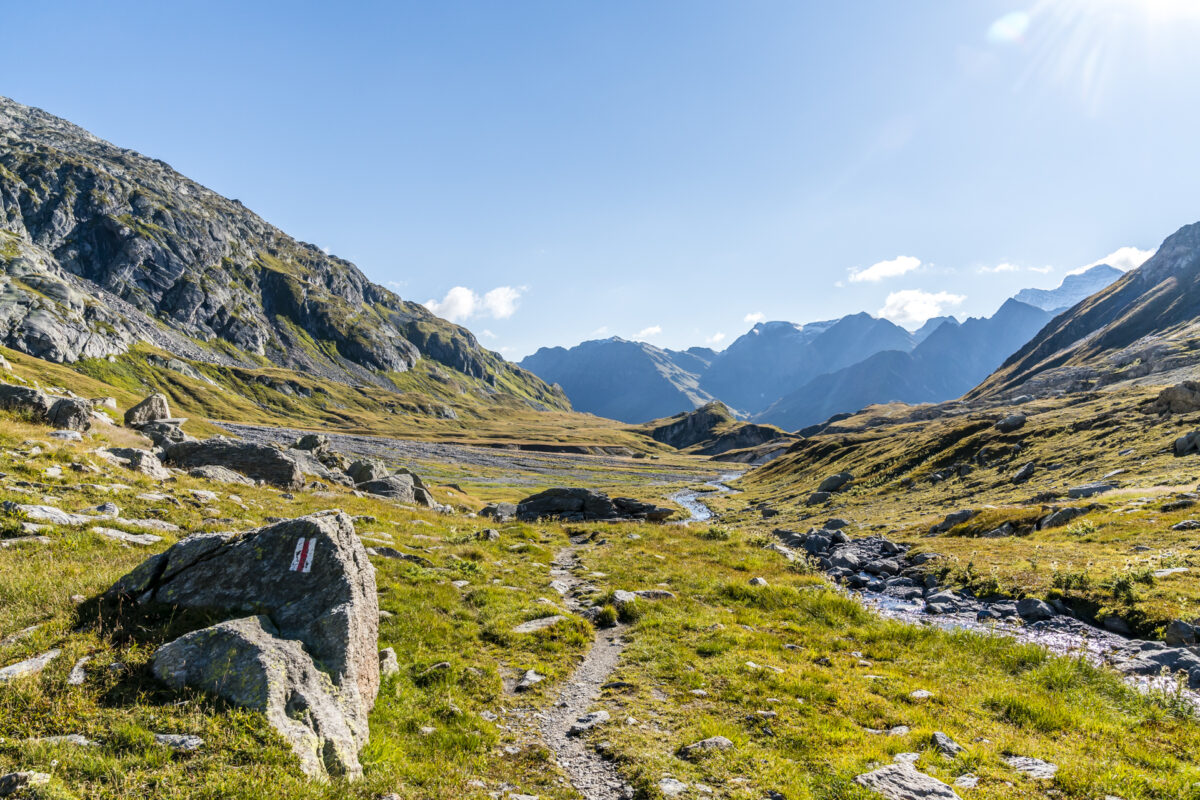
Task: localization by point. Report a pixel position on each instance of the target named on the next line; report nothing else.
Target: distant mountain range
(792, 375)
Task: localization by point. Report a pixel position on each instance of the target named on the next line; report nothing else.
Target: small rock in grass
(179, 742)
(671, 787)
(530, 679)
(388, 663)
(78, 673)
(905, 782)
(945, 745)
(709, 745)
(30, 666)
(15, 783)
(1033, 767)
(587, 722)
(967, 781)
(758, 582)
(921, 694)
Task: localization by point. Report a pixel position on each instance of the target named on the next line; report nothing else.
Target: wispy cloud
(461, 303)
(485, 333)
(878, 271)
(646, 333)
(755, 317)
(911, 307)
(1123, 258)
(716, 338)
(1005, 267)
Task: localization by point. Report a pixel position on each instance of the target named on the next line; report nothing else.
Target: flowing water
(692, 500)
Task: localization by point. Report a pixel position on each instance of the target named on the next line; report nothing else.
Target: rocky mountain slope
(1144, 324)
(949, 362)
(102, 248)
(1072, 289)
(712, 430)
(628, 381)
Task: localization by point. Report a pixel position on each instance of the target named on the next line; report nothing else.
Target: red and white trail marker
(302, 560)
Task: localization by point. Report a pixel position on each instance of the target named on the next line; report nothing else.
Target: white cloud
(1009, 29)
(1005, 267)
(1043, 270)
(501, 302)
(487, 334)
(885, 269)
(755, 317)
(397, 285)
(1123, 258)
(461, 303)
(912, 307)
(716, 338)
(601, 331)
(645, 333)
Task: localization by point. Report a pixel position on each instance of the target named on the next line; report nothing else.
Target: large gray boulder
(581, 505)
(366, 470)
(152, 409)
(164, 433)
(139, 461)
(72, 414)
(1013, 422)
(836, 482)
(32, 403)
(305, 652)
(905, 782)
(257, 461)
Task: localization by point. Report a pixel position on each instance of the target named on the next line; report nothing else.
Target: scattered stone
(758, 582)
(214, 472)
(535, 625)
(1033, 767)
(388, 663)
(73, 739)
(1061, 517)
(393, 553)
(1188, 443)
(712, 744)
(179, 742)
(71, 414)
(501, 512)
(1180, 633)
(905, 782)
(587, 722)
(921, 694)
(1024, 473)
(30, 666)
(530, 679)
(946, 746)
(968, 781)
(672, 787)
(48, 514)
(127, 538)
(816, 498)
(67, 436)
(953, 519)
(78, 672)
(1182, 398)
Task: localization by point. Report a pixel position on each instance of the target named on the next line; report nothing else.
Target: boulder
(309, 639)
(501, 512)
(71, 414)
(1060, 517)
(710, 745)
(945, 745)
(1188, 443)
(1033, 767)
(1180, 633)
(1089, 489)
(366, 470)
(31, 403)
(142, 461)
(816, 498)
(164, 433)
(401, 488)
(835, 483)
(152, 409)
(316, 443)
(581, 505)
(1182, 398)
(904, 782)
(256, 461)
(23, 784)
(1031, 609)
(1024, 473)
(212, 472)
(1013, 422)
(952, 519)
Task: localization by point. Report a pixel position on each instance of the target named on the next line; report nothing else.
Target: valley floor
(808, 688)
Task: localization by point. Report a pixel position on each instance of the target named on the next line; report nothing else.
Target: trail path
(591, 775)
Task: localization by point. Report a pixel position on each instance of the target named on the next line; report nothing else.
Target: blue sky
(666, 169)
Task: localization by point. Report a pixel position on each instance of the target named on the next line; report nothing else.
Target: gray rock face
(1180, 633)
(311, 639)
(252, 460)
(1061, 517)
(904, 782)
(393, 487)
(211, 472)
(1024, 473)
(152, 409)
(1089, 489)
(366, 470)
(580, 505)
(501, 512)
(95, 269)
(1183, 398)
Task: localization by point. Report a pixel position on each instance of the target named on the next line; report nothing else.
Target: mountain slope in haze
(1143, 324)
(627, 381)
(1072, 289)
(102, 248)
(712, 430)
(775, 358)
(950, 361)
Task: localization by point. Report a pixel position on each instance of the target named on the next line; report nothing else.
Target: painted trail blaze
(302, 559)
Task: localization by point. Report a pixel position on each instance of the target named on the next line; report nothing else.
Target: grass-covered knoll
(908, 475)
(798, 675)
